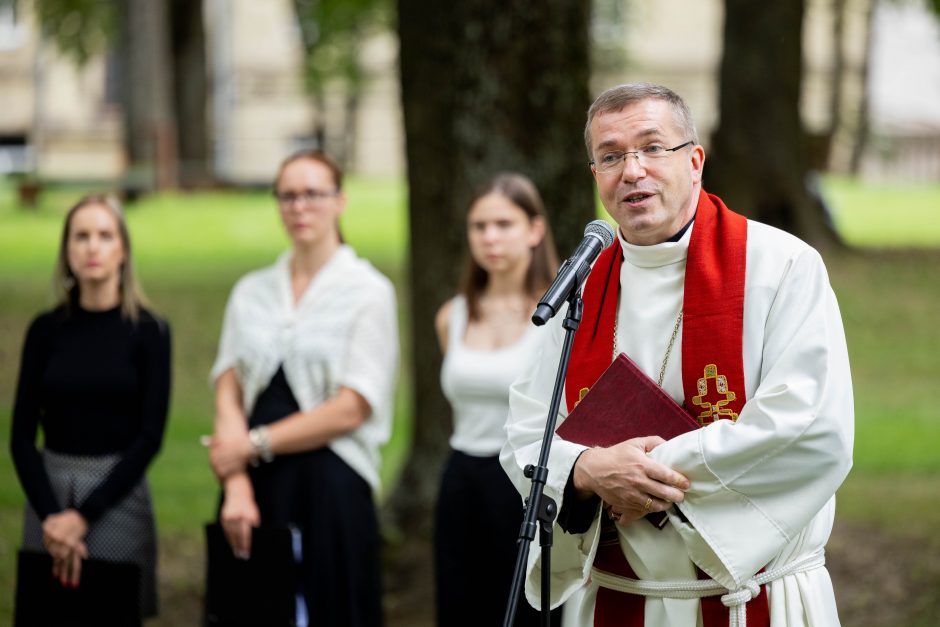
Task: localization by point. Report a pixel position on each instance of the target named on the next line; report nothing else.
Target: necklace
(672, 341)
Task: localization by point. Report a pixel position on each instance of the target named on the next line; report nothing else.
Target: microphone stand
(538, 506)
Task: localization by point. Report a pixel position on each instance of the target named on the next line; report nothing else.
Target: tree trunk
(351, 126)
(862, 126)
(759, 160)
(147, 90)
(836, 81)
(191, 91)
(486, 86)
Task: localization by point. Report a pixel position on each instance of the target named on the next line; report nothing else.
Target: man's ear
(697, 162)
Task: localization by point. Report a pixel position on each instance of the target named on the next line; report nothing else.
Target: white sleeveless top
(476, 382)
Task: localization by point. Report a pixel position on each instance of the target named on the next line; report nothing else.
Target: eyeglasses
(307, 196)
(614, 160)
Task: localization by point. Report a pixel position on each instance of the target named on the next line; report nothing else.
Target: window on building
(12, 32)
(14, 154)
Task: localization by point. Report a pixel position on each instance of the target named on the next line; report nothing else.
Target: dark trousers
(477, 522)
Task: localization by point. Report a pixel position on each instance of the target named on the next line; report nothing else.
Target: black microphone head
(601, 230)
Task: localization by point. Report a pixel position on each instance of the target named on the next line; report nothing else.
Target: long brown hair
(520, 191)
(317, 156)
(67, 289)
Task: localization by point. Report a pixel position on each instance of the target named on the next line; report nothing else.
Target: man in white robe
(743, 497)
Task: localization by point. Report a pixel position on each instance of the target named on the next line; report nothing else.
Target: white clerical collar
(656, 255)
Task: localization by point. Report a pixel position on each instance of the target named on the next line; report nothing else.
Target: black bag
(258, 591)
(108, 594)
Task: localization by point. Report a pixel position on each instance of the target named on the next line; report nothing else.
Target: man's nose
(633, 168)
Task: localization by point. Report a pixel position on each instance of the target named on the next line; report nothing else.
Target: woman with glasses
(95, 375)
(486, 336)
(304, 381)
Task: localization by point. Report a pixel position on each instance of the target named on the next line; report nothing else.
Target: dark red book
(624, 403)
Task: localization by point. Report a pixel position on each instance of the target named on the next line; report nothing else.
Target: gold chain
(672, 340)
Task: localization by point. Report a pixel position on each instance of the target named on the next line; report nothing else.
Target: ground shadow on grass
(408, 598)
(882, 579)
(182, 581)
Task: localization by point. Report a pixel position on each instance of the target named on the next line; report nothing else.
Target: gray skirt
(124, 533)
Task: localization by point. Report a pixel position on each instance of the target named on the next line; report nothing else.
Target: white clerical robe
(762, 487)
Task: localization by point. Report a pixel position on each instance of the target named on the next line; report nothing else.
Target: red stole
(712, 370)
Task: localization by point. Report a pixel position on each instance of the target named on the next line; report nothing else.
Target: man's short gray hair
(616, 98)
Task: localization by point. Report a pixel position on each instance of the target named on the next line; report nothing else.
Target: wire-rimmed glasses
(613, 160)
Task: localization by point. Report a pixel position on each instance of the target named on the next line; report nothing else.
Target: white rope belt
(735, 600)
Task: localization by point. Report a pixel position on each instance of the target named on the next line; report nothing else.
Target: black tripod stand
(539, 507)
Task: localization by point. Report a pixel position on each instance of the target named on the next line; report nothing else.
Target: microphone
(597, 236)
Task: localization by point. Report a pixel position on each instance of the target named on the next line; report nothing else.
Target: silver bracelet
(260, 445)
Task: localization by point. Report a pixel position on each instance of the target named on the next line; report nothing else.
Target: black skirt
(332, 507)
(476, 528)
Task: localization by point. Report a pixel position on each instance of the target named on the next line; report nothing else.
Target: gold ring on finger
(648, 504)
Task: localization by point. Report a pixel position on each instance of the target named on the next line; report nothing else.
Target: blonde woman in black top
(95, 376)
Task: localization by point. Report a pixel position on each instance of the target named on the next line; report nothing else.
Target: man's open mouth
(637, 196)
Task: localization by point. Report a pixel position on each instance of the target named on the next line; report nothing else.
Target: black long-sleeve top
(98, 384)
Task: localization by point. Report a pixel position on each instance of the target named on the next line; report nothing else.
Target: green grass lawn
(885, 214)
(191, 248)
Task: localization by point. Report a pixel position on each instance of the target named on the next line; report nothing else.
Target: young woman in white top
(486, 336)
(304, 384)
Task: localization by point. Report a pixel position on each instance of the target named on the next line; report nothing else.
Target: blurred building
(63, 121)
(905, 94)
(260, 111)
(53, 116)
(887, 65)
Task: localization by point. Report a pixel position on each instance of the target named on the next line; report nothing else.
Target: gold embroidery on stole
(716, 410)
